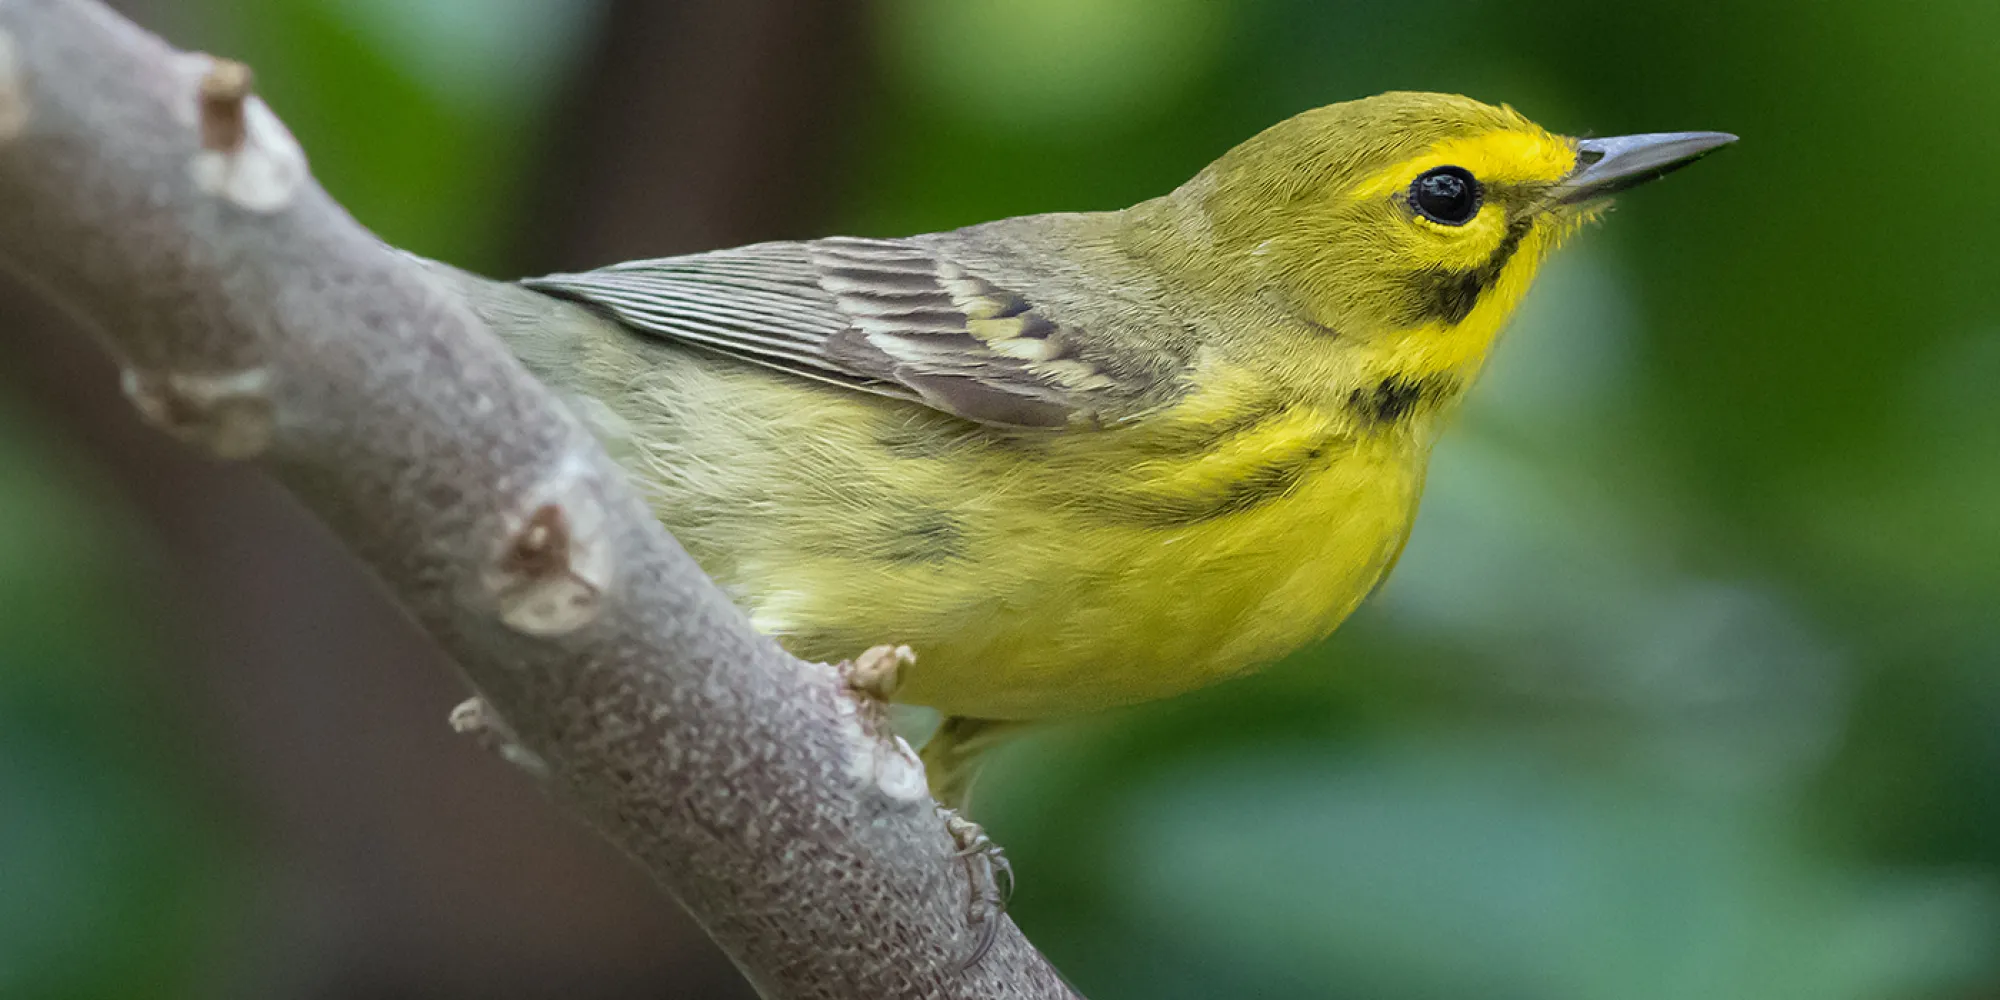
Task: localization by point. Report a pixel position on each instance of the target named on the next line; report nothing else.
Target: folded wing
(891, 317)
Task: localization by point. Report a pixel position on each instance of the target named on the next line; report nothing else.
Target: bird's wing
(891, 317)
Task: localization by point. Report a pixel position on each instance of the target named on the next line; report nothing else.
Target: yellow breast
(1034, 576)
(1174, 578)
(1096, 570)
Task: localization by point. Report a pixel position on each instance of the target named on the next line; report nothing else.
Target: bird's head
(1411, 222)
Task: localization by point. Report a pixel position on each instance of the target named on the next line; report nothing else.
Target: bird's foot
(990, 876)
(872, 678)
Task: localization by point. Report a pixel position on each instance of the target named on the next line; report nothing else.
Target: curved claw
(991, 877)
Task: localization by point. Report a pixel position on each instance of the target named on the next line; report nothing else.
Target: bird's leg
(872, 679)
(952, 760)
(955, 753)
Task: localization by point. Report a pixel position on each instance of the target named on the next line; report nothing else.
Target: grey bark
(257, 321)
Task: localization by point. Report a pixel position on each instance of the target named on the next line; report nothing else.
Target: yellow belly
(1033, 578)
(1146, 615)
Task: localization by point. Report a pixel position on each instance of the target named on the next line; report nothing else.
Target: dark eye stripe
(1448, 295)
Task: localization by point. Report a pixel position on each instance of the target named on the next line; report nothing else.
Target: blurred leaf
(418, 118)
(492, 59)
(1036, 65)
(112, 881)
(1445, 869)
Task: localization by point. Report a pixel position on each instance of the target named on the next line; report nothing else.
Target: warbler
(1085, 459)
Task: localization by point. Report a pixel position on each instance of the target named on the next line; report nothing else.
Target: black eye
(1448, 196)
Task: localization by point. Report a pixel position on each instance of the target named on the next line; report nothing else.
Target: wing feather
(891, 317)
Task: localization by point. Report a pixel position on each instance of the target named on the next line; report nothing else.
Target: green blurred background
(1685, 689)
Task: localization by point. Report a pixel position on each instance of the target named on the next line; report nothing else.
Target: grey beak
(1607, 166)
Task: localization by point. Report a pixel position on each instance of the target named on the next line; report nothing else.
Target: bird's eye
(1449, 196)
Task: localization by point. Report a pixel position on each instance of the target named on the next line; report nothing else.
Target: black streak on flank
(1198, 440)
(1264, 484)
(1449, 296)
(1396, 397)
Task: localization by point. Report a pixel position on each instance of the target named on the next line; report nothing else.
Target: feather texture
(1080, 459)
(892, 317)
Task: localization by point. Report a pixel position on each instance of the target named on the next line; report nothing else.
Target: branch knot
(475, 718)
(227, 414)
(224, 89)
(554, 564)
(877, 758)
(246, 157)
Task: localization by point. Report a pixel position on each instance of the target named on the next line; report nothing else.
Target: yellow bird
(1085, 459)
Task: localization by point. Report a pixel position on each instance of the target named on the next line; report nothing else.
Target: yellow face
(1448, 242)
(1429, 255)
(1413, 223)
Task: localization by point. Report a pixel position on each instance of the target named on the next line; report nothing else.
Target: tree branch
(174, 214)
